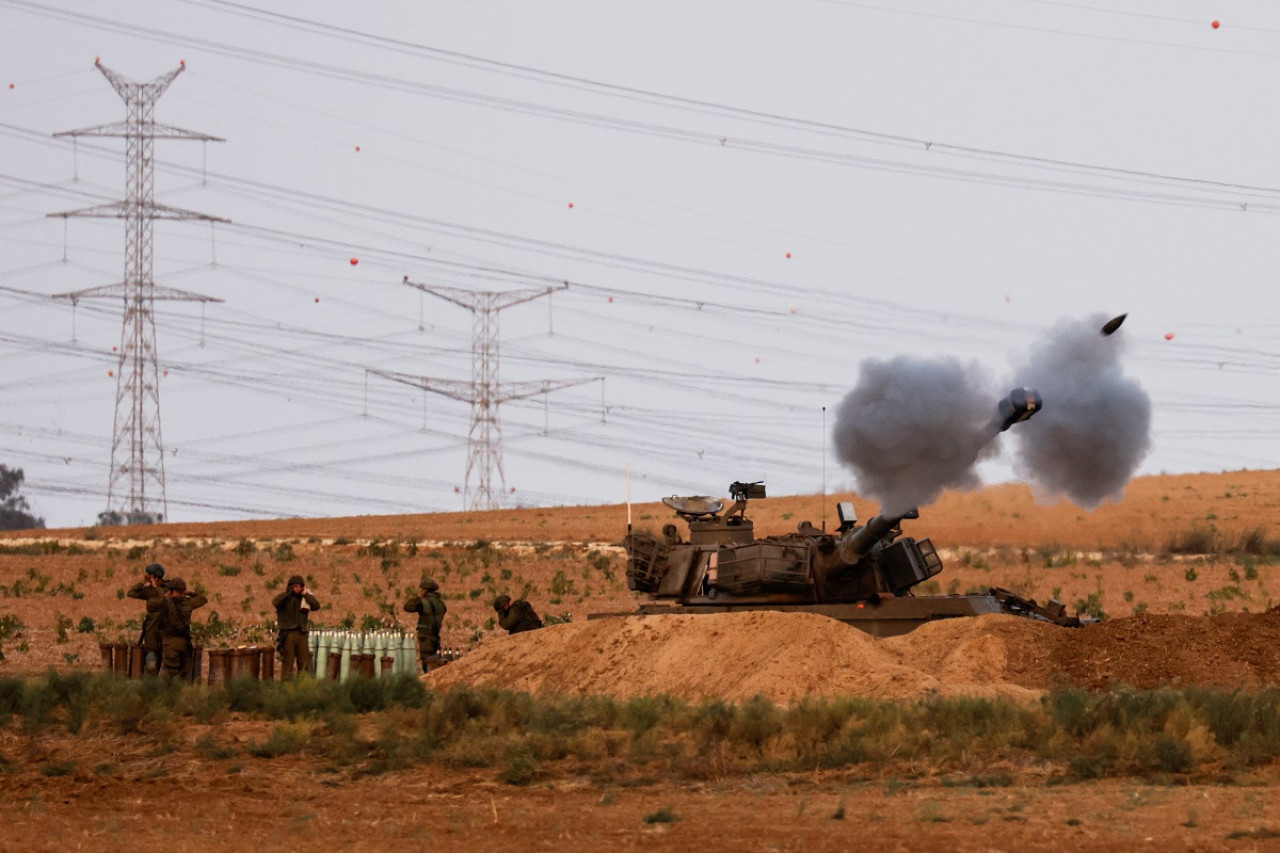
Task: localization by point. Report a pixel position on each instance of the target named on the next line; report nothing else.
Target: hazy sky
(747, 200)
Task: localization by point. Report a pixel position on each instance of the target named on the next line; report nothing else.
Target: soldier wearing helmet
(430, 607)
(515, 616)
(175, 607)
(293, 609)
(150, 639)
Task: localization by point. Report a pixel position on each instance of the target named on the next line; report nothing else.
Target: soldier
(150, 640)
(174, 609)
(293, 607)
(430, 609)
(515, 616)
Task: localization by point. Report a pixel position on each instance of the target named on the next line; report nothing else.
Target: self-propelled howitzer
(863, 574)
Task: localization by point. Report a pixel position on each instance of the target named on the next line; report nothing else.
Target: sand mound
(787, 656)
(734, 656)
(1227, 650)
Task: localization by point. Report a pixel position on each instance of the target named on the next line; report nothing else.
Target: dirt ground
(998, 516)
(1173, 619)
(270, 806)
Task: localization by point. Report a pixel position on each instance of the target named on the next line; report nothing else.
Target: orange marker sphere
(1215, 25)
(317, 299)
(357, 147)
(1168, 336)
(111, 373)
(788, 254)
(571, 205)
(355, 261)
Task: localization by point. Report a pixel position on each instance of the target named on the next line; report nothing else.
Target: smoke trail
(1095, 427)
(911, 428)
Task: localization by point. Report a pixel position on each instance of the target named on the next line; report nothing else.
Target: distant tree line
(15, 514)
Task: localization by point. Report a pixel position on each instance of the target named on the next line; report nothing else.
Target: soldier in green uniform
(150, 640)
(293, 608)
(430, 609)
(174, 609)
(515, 616)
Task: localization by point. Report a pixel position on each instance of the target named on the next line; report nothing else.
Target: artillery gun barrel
(856, 544)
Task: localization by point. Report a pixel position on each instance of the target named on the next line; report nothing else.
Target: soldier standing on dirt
(293, 608)
(174, 609)
(515, 616)
(430, 609)
(150, 640)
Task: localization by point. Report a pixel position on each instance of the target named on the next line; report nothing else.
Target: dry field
(1184, 568)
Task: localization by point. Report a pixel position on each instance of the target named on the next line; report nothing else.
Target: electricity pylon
(484, 392)
(137, 449)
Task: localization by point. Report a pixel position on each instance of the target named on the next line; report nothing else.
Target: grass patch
(370, 726)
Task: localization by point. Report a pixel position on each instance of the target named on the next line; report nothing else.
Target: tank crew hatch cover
(694, 505)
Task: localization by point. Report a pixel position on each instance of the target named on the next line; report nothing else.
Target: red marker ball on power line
(317, 299)
(355, 261)
(111, 373)
(571, 205)
(1168, 336)
(10, 85)
(788, 254)
(1216, 25)
(357, 148)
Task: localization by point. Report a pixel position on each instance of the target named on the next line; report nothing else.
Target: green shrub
(285, 738)
(1197, 540)
(662, 815)
(521, 766)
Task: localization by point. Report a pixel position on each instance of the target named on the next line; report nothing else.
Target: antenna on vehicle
(824, 469)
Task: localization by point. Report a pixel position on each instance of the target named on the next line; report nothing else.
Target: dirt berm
(787, 656)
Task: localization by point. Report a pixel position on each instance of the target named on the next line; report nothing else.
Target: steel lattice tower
(484, 392)
(137, 449)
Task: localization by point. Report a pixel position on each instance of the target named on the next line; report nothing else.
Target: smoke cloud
(1095, 429)
(913, 427)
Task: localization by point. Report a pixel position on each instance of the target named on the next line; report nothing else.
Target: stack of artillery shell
(339, 654)
(336, 654)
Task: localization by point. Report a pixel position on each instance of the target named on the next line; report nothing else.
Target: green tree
(15, 514)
